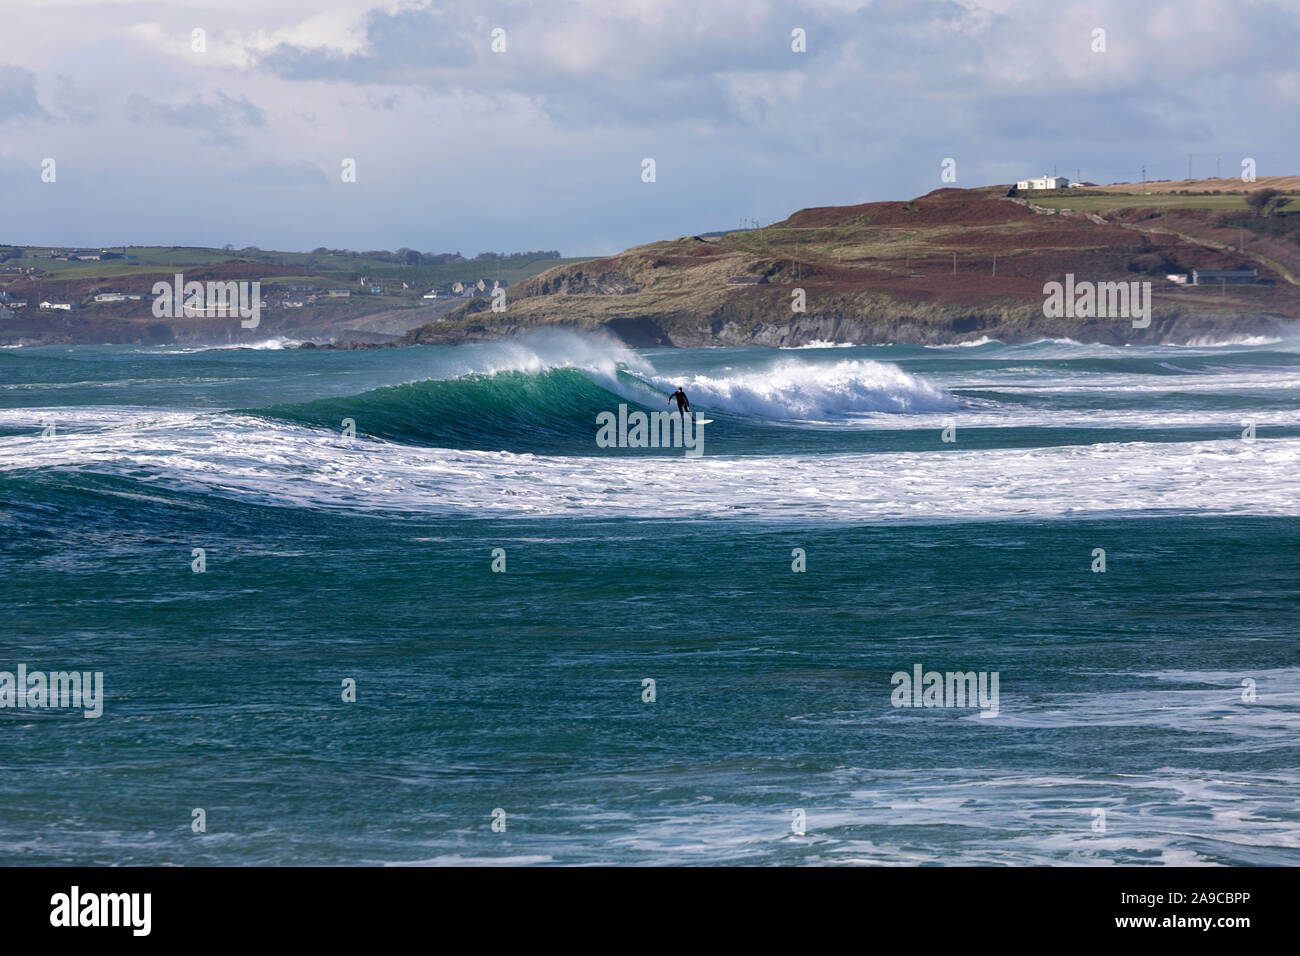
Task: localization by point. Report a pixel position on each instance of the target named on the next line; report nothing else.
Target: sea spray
(795, 389)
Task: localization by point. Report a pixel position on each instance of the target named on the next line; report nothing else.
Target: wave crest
(792, 389)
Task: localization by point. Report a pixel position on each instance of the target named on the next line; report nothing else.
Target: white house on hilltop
(1044, 182)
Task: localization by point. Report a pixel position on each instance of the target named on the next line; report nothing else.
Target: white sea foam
(795, 389)
(250, 458)
(818, 344)
(274, 344)
(1048, 381)
(972, 343)
(1247, 341)
(972, 815)
(984, 413)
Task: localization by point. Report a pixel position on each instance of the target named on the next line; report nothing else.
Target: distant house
(1044, 182)
(376, 290)
(1233, 276)
(110, 297)
(65, 306)
(340, 293)
(747, 280)
(292, 304)
(1179, 277)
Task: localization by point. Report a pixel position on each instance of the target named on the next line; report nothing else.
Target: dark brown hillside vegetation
(939, 208)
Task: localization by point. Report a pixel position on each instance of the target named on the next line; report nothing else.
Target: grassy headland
(953, 265)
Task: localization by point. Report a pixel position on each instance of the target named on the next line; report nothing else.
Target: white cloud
(462, 148)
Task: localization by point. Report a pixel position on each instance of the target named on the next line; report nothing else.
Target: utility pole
(1218, 171)
(1144, 174)
(995, 265)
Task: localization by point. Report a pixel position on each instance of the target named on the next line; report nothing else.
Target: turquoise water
(369, 557)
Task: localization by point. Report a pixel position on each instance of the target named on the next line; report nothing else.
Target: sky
(244, 138)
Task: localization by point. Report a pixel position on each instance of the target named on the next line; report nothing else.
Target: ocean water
(1146, 714)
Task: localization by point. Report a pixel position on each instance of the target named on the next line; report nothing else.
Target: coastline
(653, 331)
(650, 332)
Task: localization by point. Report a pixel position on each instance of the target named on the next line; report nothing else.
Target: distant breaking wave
(508, 429)
(540, 394)
(1210, 342)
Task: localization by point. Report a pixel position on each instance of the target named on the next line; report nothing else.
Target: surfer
(683, 403)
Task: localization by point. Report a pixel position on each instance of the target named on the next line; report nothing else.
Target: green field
(1105, 202)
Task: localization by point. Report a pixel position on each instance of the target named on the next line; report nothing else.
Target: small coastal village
(293, 296)
(105, 295)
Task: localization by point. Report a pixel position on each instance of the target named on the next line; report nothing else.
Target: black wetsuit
(683, 403)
